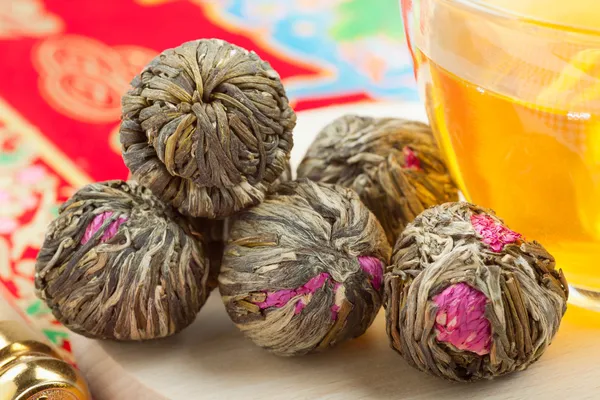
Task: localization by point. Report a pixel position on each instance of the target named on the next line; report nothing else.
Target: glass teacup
(514, 99)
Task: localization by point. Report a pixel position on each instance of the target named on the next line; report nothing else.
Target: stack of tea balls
(301, 265)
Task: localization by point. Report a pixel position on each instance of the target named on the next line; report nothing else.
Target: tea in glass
(514, 99)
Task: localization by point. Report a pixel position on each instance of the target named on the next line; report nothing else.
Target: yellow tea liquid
(534, 159)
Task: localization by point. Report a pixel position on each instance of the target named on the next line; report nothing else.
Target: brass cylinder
(32, 370)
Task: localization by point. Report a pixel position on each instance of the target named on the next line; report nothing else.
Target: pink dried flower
(374, 268)
(492, 233)
(96, 224)
(410, 158)
(460, 319)
(281, 297)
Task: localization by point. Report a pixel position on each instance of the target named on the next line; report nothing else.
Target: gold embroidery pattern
(30, 194)
(27, 18)
(35, 178)
(84, 78)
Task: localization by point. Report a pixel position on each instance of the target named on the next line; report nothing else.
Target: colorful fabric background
(64, 65)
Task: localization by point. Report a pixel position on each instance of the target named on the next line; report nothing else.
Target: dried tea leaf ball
(303, 271)
(467, 298)
(393, 164)
(207, 127)
(119, 264)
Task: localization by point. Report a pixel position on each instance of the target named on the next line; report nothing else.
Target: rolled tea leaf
(393, 164)
(207, 127)
(303, 270)
(285, 176)
(216, 231)
(467, 298)
(119, 264)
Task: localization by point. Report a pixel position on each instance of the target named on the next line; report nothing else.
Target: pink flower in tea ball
(460, 319)
(492, 233)
(97, 223)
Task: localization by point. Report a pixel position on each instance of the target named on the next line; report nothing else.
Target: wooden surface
(212, 360)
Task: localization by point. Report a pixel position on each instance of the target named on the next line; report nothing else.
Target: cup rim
(501, 13)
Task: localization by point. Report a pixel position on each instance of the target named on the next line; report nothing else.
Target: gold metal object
(32, 370)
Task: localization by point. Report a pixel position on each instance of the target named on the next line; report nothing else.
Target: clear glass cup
(513, 96)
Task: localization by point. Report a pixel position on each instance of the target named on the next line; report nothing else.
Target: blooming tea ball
(119, 264)
(393, 164)
(467, 298)
(303, 271)
(207, 127)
